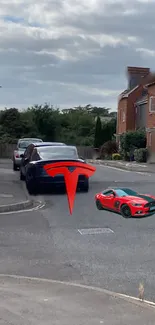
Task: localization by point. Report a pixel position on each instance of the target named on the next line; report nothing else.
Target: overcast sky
(72, 52)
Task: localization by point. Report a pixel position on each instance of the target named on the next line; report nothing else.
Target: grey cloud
(96, 67)
(24, 58)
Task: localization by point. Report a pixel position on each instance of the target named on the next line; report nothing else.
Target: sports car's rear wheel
(126, 211)
(99, 205)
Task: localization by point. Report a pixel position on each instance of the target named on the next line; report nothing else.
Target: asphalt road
(46, 243)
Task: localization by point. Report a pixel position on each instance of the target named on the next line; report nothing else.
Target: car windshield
(60, 152)
(23, 144)
(125, 192)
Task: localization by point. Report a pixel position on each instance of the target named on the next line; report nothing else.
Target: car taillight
(17, 155)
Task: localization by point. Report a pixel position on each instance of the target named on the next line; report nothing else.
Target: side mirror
(22, 156)
(112, 195)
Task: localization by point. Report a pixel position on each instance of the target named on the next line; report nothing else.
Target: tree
(98, 133)
(108, 130)
(10, 120)
(74, 126)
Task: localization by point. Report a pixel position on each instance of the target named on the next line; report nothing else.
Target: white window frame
(123, 116)
(150, 104)
(150, 139)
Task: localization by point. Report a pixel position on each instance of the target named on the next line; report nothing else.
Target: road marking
(6, 195)
(40, 206)
(95, 231)
(141, 173)
(126, 171)
(134, 300)
(120, 169)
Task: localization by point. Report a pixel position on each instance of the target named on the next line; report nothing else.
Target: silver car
(22, 144)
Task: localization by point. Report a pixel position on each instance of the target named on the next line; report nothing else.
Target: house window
(152, 104)
(150, 139)
(123, 117)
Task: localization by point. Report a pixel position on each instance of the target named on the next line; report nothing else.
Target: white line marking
(126, 171)
(145, 303)
(137, 299)
(120, 169)
(6, 195)
(141, 173)
(40, 206)
(95, 231)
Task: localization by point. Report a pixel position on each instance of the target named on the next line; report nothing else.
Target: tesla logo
(71, 171)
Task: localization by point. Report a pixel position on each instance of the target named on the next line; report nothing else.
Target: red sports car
(126, 202)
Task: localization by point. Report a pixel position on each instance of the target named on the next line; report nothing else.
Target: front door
(109, 199)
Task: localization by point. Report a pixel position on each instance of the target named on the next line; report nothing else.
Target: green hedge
(141, 155)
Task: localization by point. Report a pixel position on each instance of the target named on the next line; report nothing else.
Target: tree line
(81, 126)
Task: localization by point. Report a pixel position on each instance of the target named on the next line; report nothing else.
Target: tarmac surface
(117, 254)
(29, 301)
(13, 195)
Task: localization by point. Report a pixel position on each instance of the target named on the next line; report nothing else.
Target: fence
(6, 151)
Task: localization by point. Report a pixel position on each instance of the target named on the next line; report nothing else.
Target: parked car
(25, 157)
(21, 146)
(34, 159)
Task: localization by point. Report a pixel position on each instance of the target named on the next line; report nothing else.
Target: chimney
(135, 74)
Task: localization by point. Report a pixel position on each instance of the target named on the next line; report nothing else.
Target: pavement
(13, 195)
(132, 166)
(89, 248)
(37, 302)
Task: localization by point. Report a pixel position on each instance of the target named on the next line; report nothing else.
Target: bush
(141, 155)
(116, 156)
(125, 155)
(132, 140)
(108, 149)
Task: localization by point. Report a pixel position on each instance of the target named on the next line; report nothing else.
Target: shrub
(108, 149)
(116, 156)
(133, 140)
(141, 155)
(130, 141)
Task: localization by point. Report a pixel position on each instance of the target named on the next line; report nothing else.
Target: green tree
(10, 121)
(46, 119)
(98, 133)
(73, 126)
(108, 130)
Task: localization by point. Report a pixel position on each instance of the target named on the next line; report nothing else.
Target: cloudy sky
(71, 52)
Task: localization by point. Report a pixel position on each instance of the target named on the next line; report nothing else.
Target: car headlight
(137, 204)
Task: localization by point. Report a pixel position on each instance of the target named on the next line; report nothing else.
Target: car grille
(150, 205)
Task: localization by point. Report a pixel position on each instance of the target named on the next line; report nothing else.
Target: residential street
(46, 243)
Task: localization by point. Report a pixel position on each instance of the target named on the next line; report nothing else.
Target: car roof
(29, 139)
(47, 144)
(55, 146)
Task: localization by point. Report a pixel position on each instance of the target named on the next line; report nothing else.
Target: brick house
(150, 118)
(136, 105)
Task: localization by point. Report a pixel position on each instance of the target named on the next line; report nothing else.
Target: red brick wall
(131, 110)
(122, 109)
(127, 105)
(150, 118)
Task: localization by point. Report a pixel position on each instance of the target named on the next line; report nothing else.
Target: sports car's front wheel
(126, 211)
(99, 205)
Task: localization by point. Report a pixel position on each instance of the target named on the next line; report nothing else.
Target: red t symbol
(71, 177)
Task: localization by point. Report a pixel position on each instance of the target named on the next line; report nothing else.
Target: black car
(25, 157)
(36, 177)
